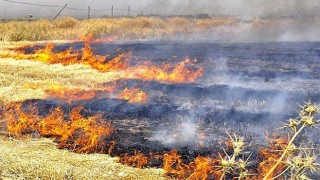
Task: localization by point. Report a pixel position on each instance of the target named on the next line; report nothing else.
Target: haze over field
(296, 8)
(254, 21)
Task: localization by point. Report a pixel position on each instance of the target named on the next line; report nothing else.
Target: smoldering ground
(246, 88)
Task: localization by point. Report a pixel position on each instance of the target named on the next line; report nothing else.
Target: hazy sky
(216, 7)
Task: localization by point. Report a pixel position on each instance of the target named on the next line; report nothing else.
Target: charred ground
(245, 86)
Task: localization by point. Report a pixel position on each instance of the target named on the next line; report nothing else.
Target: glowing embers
(75, 131)
(123, 64)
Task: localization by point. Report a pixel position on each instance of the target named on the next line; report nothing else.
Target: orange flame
(270, 156)
(48, 56)
(77, 133)
(71, 95)
(90, 38)
(179, 73)
(134, 95)
(138, 160)
(183, 72)
(200, 168)
(174, 166)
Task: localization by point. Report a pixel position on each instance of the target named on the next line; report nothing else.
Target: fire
(71, 95)
(200, 168)
(183, 72)
(90, 38)
(180, 73)
(138, 160)
(270, 155)
(134, 95)
(174, 166)
(99, 62)
(77, 133)
(48, 56)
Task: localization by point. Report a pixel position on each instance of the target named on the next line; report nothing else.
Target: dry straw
(40, 159)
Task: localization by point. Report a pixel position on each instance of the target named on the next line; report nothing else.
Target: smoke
(262, 8)
(256, 21)
(181, 130)
(185, 133)
(237, 7)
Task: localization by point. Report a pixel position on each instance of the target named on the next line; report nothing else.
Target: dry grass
(40, 159)
(21, 80)
(68, 28)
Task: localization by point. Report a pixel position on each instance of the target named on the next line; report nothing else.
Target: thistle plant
(298, 164)
(302, 163)
(234, 164)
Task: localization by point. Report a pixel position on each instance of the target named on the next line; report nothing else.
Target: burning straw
(75, 130)
(284, 157)
(183, 72)
(77, 133)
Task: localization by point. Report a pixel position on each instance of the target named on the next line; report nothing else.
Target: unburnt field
(68, 28)
(158, 96)
(217, 29)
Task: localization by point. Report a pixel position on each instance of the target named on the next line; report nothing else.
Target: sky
(259, 8)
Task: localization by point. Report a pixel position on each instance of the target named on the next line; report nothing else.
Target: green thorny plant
(235, 164)
(299, 160)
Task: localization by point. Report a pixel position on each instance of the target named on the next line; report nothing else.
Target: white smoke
(183, 134)
(259, 8)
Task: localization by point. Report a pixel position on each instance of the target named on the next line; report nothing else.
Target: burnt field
(244, 88)
(241, 82)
